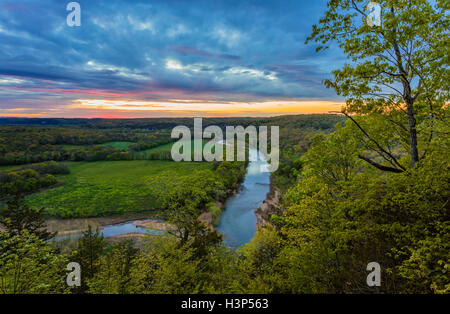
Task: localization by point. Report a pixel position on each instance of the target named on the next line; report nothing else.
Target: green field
(118, 145)
(114, 187)
(168, 147)
(165, 147)
(124, 145)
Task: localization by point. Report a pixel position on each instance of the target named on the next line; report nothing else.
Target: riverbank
(71, 226)
(154, 224)
(269, 206)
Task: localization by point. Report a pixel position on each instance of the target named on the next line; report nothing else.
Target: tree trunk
(413, 150)
(409, 100)
(412, 133)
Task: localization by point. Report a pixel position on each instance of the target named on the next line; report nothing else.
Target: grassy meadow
(111, 187)
(167, 148)
(162, 148)
(103, 188)
(118, 145)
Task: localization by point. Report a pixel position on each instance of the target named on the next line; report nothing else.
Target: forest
(337, 213)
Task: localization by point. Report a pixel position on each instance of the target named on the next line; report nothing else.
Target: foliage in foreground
(343, 214)
(29, 265)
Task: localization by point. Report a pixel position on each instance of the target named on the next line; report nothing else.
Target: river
(238, 221)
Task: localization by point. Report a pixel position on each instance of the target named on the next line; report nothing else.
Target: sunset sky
(163, 59)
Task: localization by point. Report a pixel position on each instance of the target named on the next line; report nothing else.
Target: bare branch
(378, 166)
(392, 158)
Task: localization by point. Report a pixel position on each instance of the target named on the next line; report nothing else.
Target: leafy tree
(332, 157)
(18, 216)
(114, 272)
(29, 265)
(399, 71)
(165, 266)
(333, 224)
(223, 271)
(259, 269)
(182, 208)
(90, 248)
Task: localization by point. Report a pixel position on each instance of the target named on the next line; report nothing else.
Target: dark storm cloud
(219, 48)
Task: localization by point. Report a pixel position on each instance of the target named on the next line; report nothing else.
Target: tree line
(31, 144)
(30, 178)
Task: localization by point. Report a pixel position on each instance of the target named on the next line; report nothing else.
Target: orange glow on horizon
(212, 108)
(113, 108)
(21, 115)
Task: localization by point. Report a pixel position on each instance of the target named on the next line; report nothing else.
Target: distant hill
(318, 121)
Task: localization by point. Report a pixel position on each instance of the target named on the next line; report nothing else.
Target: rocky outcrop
(269, 206)
(208, 219)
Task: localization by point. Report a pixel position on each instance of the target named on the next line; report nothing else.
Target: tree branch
(382, 150)
(381, 167)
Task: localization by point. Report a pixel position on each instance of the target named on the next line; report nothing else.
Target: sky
(168, 58)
